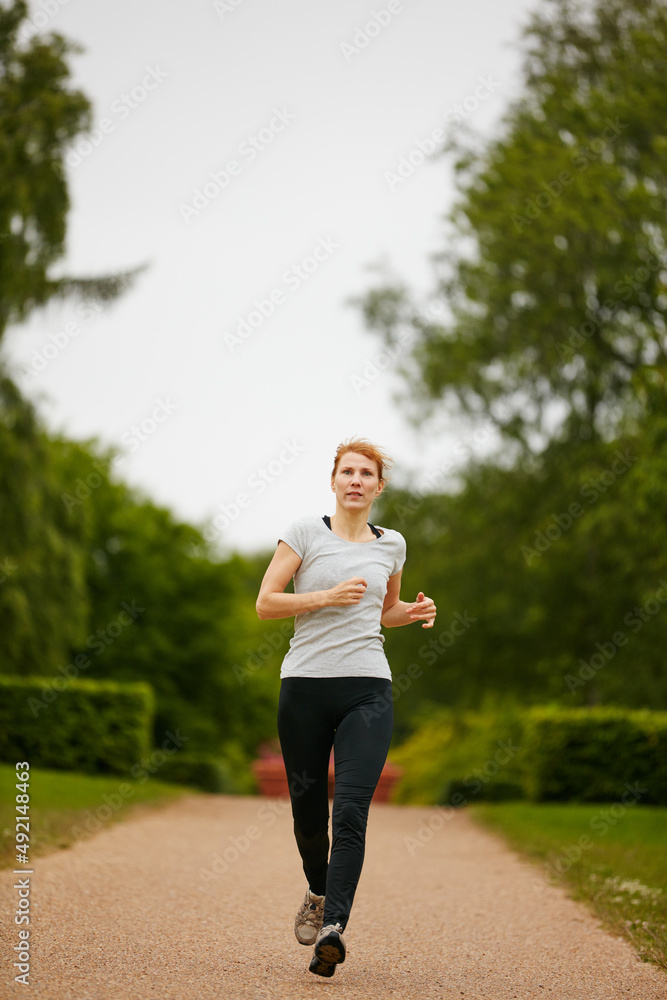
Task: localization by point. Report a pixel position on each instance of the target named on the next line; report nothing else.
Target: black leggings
(355, 716)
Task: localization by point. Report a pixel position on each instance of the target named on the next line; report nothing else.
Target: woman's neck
(351, 525)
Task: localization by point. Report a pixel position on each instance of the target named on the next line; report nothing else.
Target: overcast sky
(247, 151)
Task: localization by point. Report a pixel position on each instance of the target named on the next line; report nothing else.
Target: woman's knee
(351, 813)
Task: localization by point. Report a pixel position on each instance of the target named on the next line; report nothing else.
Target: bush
(546, 753)
(89, 726)
(588, 755)
(459, 792)
(470, 755)
(204, 771)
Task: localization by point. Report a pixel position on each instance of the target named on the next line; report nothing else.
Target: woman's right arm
(272, 602)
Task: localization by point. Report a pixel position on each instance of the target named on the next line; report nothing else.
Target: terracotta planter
(272, 780)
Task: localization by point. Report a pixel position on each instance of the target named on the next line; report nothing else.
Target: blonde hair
(363, 447)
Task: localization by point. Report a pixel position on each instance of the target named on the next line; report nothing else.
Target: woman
(336, 683)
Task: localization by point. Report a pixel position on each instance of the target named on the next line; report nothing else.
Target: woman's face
(356, 483)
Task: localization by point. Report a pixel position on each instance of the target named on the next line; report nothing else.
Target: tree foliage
(556, 276)
(551, 552)
(550, 584)
(43, 598)
(101, 583)
(40, 114)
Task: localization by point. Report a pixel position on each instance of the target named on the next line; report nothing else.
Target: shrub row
(590, 755)
(203, 771)
(544, 754)
(89, 726)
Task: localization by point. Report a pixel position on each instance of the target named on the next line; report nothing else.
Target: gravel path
(128, 914)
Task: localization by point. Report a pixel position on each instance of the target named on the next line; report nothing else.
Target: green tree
(39, 116)
(550, 582)
(555, 283)
(43, 598)
(555, 276)
(43, 594)
(162, 609)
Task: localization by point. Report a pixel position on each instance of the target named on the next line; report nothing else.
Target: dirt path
(128, 914)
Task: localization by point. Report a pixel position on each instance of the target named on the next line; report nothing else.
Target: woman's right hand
(348, 592)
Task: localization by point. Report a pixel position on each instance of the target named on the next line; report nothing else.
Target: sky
(260, 159)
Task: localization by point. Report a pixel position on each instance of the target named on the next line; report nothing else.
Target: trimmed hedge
(89, 726)
(199, 770)
(455, 758)
(548, 754)
(590, 755)
(460, 792)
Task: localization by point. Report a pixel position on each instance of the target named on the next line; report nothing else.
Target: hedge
(199, 770)
(455, 758)
(591, 755)
(86, 725)
(544, 753)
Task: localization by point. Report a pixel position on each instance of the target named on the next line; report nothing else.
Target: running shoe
(329, 950)
(309, 919)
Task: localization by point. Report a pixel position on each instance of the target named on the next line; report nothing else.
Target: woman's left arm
(396, 612)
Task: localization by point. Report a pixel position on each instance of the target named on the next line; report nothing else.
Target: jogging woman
(335, 686)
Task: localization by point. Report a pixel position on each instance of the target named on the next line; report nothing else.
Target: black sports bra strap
(376, 532)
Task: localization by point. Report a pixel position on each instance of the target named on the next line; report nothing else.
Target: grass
(66, 807)
(612, 857)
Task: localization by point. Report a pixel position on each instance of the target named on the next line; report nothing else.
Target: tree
(39, 116)
(43, 600)
(556, 280)
(550, 582)
(43, 597)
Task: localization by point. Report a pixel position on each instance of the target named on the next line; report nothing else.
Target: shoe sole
(321, 968)
(330, 950)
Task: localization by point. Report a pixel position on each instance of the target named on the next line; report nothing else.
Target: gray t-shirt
(340, 641)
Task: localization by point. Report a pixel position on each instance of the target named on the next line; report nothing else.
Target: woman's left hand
(423, 608)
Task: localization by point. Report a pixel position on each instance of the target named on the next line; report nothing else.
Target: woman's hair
(363, 447)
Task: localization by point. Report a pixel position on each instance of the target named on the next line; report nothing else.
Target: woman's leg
(361, 744)
(306, 731)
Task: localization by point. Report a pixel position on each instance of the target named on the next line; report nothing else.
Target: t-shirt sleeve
(296, 536)
(401, 551)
